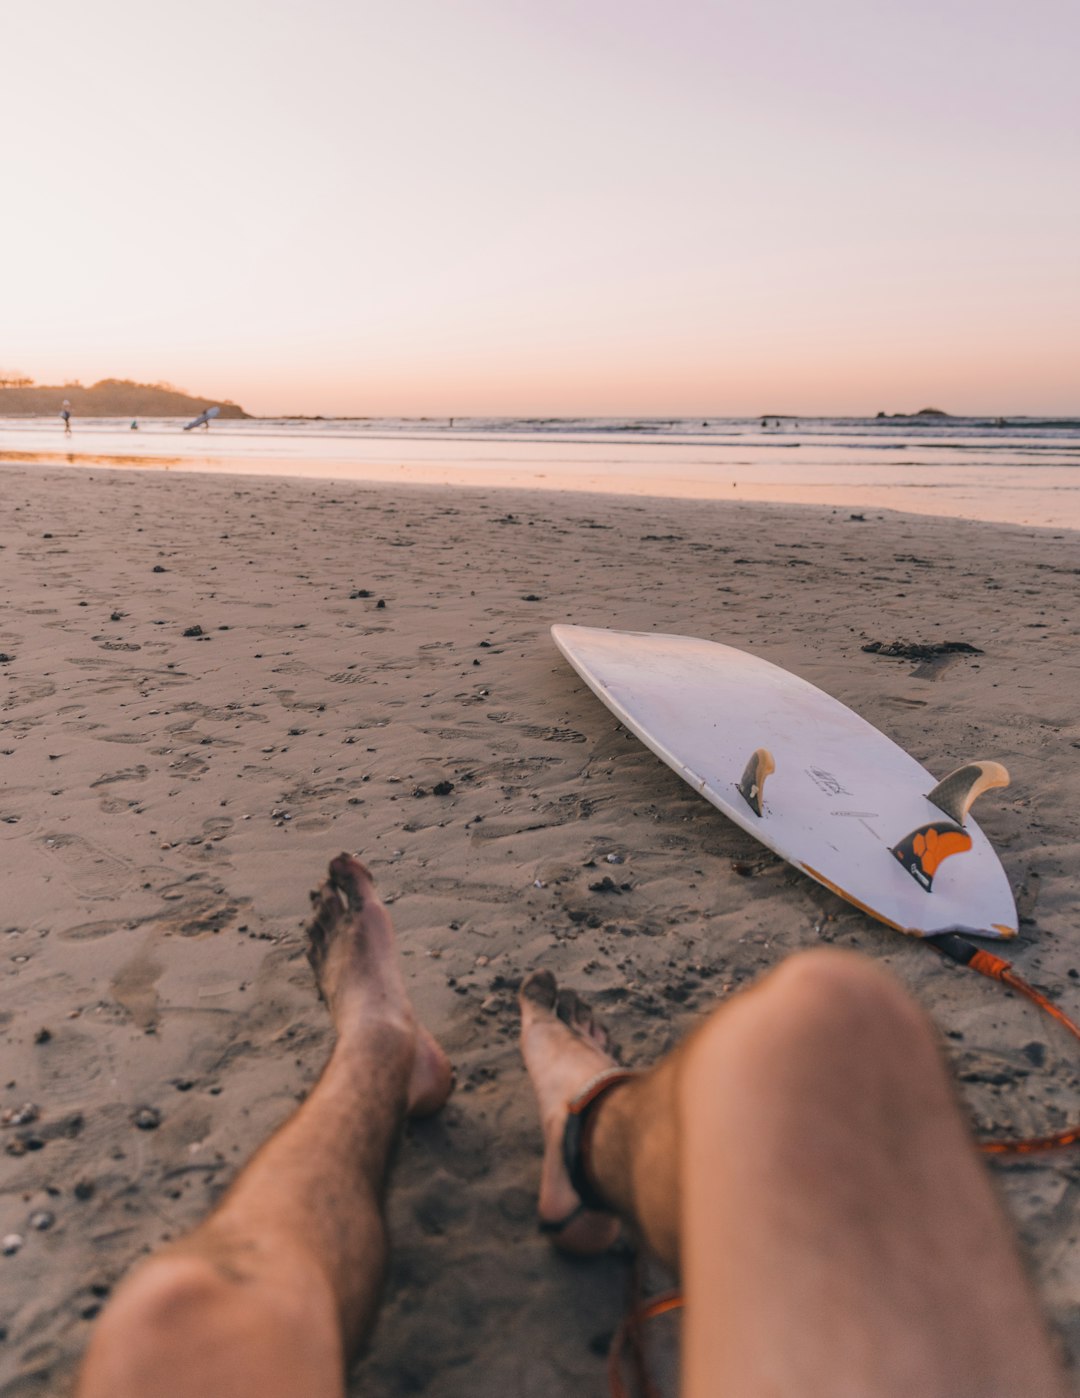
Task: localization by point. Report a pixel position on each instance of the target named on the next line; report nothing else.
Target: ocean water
(1019, 470)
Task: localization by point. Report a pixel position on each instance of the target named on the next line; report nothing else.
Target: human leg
(802, 1160)
(271, 1294)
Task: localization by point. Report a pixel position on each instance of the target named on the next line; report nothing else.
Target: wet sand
(212, 684)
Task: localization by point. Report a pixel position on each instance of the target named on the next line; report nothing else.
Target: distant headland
(19, 397)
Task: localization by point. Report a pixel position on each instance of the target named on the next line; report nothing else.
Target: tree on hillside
(12, 378)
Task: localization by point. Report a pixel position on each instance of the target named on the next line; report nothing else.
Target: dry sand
(169, 799)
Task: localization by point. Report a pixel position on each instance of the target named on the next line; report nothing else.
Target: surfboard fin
(924, 851)
(957, 792)
(752, 785)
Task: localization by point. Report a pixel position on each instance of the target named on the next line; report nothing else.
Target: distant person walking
(203, 420)
(65, 413)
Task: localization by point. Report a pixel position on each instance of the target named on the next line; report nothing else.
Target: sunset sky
(546, 207)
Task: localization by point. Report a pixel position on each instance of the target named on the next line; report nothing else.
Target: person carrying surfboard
(800, 1159)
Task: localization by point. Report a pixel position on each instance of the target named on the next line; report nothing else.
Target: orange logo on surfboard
(924, 850)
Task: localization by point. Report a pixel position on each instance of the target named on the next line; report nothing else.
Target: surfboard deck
(842, 795)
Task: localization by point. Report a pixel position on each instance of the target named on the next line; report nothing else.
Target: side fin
(924, 850)
(752, 785)
(956, 794)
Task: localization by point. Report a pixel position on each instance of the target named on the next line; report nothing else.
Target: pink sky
(497, 207)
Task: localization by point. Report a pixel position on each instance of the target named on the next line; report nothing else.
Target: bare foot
(564, 1048)
(353, 952)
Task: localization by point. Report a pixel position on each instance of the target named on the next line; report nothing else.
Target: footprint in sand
(92, 931)
(69, 1066)
(88, 869)
(135, 987)
(189, 766)
(194, 911)
(126, 774)
(27, 694)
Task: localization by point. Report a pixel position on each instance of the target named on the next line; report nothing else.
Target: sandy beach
(212, 684)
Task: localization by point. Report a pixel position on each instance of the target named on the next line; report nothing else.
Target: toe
(352, 878)
(539, 989)
(574, 1011)
(583, 1016)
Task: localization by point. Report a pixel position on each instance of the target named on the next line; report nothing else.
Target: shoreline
(973, 502)
(169, 798)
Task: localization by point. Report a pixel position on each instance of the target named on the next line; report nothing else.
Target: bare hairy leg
(272, 1293)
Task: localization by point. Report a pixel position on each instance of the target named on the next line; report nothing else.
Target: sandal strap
(577, 1136)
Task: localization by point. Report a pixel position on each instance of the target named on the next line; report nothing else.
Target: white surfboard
(841, 801)
(203, 419)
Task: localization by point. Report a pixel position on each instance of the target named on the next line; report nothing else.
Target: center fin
(924, 851)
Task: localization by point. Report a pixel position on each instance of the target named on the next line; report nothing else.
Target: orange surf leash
(964, 953)
(629, 1336)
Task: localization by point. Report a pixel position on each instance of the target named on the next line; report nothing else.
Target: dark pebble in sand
(532, 597)
(20, 1116)
(995, 1077)
(442, 788)
(157, 568)
(1035, 1052)
(419, 791)
(486, 644)
(359, 592)
(84, 1189)
(117, 616)
(46, 536)
(91, 1312)
(193, 631)
(43, 1036)
(605, 885)
(5, 659)
(146, 1118)
(380, 604)
(861, 518)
